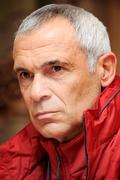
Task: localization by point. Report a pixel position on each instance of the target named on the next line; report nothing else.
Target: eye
(56, 68)
(25, 75)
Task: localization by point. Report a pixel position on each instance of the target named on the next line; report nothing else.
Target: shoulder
(21, 141)
(18, 151)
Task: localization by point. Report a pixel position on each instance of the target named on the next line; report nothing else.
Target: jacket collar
(102, 121)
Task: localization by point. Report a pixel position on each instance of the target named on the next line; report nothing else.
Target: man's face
(54, 79)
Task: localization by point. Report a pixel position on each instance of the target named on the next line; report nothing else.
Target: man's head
(62, 58)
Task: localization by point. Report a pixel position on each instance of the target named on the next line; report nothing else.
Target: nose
(39, 90)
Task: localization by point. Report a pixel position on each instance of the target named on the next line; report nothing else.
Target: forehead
(55, 39)
(56, 30)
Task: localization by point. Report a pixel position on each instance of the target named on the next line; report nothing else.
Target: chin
(51, 132)
(58, 131)
(52, 135)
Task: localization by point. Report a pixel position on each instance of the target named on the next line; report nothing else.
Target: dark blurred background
(13, 114)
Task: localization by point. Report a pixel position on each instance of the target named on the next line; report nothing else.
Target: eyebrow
(49, 63)
(19, 69)
(53, 62)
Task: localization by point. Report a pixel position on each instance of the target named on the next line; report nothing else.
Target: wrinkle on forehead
(58, 28)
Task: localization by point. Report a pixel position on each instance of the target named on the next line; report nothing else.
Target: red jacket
(92, 155)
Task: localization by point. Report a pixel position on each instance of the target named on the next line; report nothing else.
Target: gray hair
(91, 34)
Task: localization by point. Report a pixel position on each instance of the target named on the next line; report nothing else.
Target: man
(66, 72)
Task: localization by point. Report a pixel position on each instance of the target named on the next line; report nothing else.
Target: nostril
(45, 97)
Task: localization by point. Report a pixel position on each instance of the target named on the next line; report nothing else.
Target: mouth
(44, 115)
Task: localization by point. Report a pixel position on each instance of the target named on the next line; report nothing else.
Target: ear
(107, 64)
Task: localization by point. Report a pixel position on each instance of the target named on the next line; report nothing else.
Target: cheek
(75, 90)
(69, 88)
(26, 98)
(78, 93)
(69, 95)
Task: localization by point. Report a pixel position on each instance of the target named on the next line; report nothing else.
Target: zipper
(58, 166)
(85, 147)
(114, 95)
(59, 158)
(48, 170)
